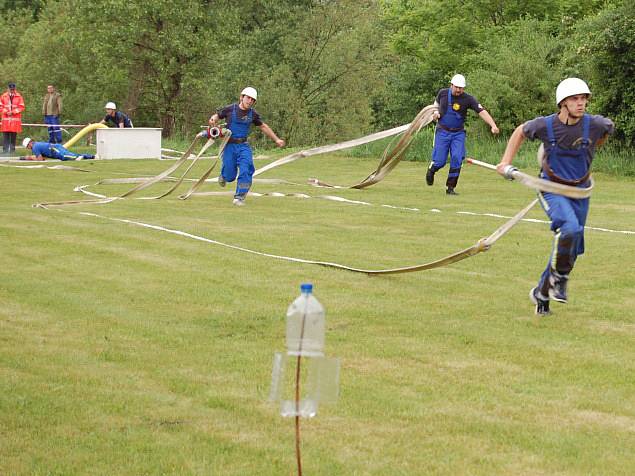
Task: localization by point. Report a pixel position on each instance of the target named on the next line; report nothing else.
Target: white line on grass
(82, 188)
(196, 237)
(534, 220)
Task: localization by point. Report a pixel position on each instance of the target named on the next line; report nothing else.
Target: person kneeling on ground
(47, 150)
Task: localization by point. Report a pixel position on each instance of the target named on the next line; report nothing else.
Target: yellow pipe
(83, 132)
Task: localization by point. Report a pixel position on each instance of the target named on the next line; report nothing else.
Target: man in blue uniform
(569, 139)
(44, 150)
(237, 156)
(114, 118)
(449, 136)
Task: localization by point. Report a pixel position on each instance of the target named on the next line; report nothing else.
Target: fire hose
(479, 247)
(390, 157)
(538, 184)
(144, 183)
(389, 160)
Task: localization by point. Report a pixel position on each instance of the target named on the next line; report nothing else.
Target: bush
(604, 50)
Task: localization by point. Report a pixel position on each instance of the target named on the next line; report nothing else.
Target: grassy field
(131, 351)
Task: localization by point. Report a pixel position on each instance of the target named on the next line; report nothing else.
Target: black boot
(558, 290)
(452, 182)
(430, 175)
(542, 305)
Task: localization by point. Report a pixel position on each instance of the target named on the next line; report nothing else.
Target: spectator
(52, 109)
(11, 107)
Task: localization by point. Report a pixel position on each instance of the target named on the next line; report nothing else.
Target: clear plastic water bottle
(305, 324)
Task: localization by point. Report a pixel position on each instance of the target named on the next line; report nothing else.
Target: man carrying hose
(237, 155)
(569, 138)
(449, 136)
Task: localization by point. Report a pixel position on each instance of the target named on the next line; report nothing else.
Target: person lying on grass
(48, 150)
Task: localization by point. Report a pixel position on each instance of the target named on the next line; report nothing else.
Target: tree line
(326, 70)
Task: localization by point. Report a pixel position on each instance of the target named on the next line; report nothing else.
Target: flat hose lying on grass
(390, 158)
(143, 183)
(479, 247)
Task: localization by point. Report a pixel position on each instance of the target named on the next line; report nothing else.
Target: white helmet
(110, 105)
(26, 141)
(251, 92)
(458, 80)
(571, 87)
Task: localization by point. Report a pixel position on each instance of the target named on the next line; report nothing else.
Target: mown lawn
(130, 351)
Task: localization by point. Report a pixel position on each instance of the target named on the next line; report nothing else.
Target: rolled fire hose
(331, 148)
(144, 183)
(226, 134)
(390, 158)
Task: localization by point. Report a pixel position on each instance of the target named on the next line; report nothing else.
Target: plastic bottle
(305, 324)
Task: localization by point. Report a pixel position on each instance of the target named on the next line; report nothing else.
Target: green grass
(129, 351)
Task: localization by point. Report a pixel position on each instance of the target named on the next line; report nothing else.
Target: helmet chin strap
(568, 116)
(243, 105)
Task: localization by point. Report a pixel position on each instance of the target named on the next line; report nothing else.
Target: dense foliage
(325, 69)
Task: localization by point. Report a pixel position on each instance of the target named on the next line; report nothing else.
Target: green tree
(30, 8)
(170, 63)
(516, 72)
(15, 18)
(315, 63)
(150, 58)
(436, 39)
(149, 50)
(603, 52)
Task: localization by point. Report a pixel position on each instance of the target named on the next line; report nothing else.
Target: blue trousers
(238, 161)
(568, 217)
(60, 153)
(55, 133)
(452, 143)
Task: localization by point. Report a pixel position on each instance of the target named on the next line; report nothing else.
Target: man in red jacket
(11, 107)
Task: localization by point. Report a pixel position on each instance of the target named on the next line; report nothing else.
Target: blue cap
(11, 85)
(306, 287)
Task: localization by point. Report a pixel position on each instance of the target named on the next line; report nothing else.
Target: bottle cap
(306, 287)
